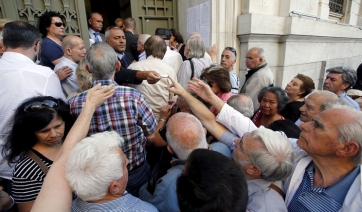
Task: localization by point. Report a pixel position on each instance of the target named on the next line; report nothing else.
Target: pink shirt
(224, 97)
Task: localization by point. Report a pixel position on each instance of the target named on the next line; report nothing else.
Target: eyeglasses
(59, 24)
(239, 142)
(39, 105)
(232, 49)
(250, 58)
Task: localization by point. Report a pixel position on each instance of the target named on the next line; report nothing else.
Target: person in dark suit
(131, 38)
(95, 24)
(115, 38)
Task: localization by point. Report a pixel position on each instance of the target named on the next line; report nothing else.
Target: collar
(257, 185)
(91, 30)
(69, 61)
(16, 55)
(104, 82)
(120, 55)
(142, 54)
(152, 58)
(342, 94)
(129, 31)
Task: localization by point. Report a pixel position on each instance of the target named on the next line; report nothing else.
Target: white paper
(198, 20)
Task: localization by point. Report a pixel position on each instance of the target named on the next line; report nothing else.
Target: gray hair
(101, 60)
(243, 104)
(184, 134)
(130, 23)
(143, 38)
(277, 162)
(93, 164)
(196, 47)
(260, 51)
(329, 97)
(282, 96)
(349, 75)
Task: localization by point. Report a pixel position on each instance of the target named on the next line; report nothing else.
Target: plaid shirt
(126, 112)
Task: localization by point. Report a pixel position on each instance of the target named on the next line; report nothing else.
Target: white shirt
(69, 84)
(20, 79)
(91, 35)
(172, 59)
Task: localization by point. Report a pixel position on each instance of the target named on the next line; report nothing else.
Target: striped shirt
(235, 83)
(126, 112)
(28, 178)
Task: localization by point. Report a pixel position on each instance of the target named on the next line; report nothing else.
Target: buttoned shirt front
(126, 112)
(69, 84)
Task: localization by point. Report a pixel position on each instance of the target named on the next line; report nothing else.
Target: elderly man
(74, 51)
(193, 67)
(141, 46)
(339, 80)
(21, 78)
(95, 25)
(131, 38)
(171, 58)
(315, 103)
(184, 134)
(242, 103)
(258, 76)
(156, 95)
(264, 193)
(116, 39)
(126, 112)
(99, 188)
(328, 177)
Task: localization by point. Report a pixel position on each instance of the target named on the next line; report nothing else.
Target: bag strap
(40, 163)
(192, 68)
(277, 189)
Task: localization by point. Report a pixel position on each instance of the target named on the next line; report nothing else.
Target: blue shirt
(308, 198)
(50, 51)
(346, 100)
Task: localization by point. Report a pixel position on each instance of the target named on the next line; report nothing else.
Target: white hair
(185, 134)
(143, 38)
(93, 164)
(243, 105)
(276, 163)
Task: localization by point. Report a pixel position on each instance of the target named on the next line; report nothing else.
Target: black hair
(211, 182)
(282, 97)
(18, 34)
(46, 20)
(20, 134)
(288, 127)
(177, 35)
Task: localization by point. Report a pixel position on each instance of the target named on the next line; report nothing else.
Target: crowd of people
(153, 123)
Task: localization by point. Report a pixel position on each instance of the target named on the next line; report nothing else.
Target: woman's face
(269, 104)
(214, 86)
(52, 134)
(55, 30)
(293, 87)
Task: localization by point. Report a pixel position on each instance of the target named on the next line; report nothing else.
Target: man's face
(252, 59)
(319, 137)
(96, 22)
(334, 83)
(228, 60)
(311, 107)
(78, 51)
(117, 40)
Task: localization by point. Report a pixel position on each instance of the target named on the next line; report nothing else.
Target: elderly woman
(176, 40)
(272, 100)
(300, 86)
(33, 142)
(195, 63)
(218, 78)
(51, 26)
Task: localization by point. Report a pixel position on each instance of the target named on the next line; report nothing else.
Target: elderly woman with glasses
(218, 78)
(51, 26)
(34, 138)
(272, 100)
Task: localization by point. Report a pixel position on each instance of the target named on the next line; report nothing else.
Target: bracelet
(161, 119)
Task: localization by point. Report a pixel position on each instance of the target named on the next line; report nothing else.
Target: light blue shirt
(142, 56)
(346, 100)
(235, 82)
(69, 85)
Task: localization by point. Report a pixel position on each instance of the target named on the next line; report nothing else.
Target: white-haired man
(97, 172)
(184, 134)
(249, 145)
(259, 75)
(242, 103)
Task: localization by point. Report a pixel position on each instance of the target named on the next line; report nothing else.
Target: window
(336, 6)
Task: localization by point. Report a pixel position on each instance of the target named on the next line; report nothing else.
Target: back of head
(20, 34)
(243, 104)
(286, 126)
(155, 46)
(101, 59)
(349, 75)
(143, 38)
(219, 75)
(70, 41)
(196, 47)
(211, 182)
(276, 163)
(163, 33)
(184, 134)
(130, 23)
(93, 164)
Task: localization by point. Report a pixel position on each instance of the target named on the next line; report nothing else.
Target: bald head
(194, 34)
(155, 46)
(243, 104)
(184, 134)
(73, 48)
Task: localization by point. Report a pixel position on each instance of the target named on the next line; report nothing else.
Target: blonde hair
(84, 78)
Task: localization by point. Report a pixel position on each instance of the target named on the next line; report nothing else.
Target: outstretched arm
(56, 192)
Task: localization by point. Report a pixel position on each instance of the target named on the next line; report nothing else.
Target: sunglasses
(39, 105)
(233, 50)
(59, 24)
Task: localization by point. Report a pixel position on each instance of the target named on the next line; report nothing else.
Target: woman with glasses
(300, 86)
(218, 78)
(272, 100)
(51, 26)
(35, 136)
